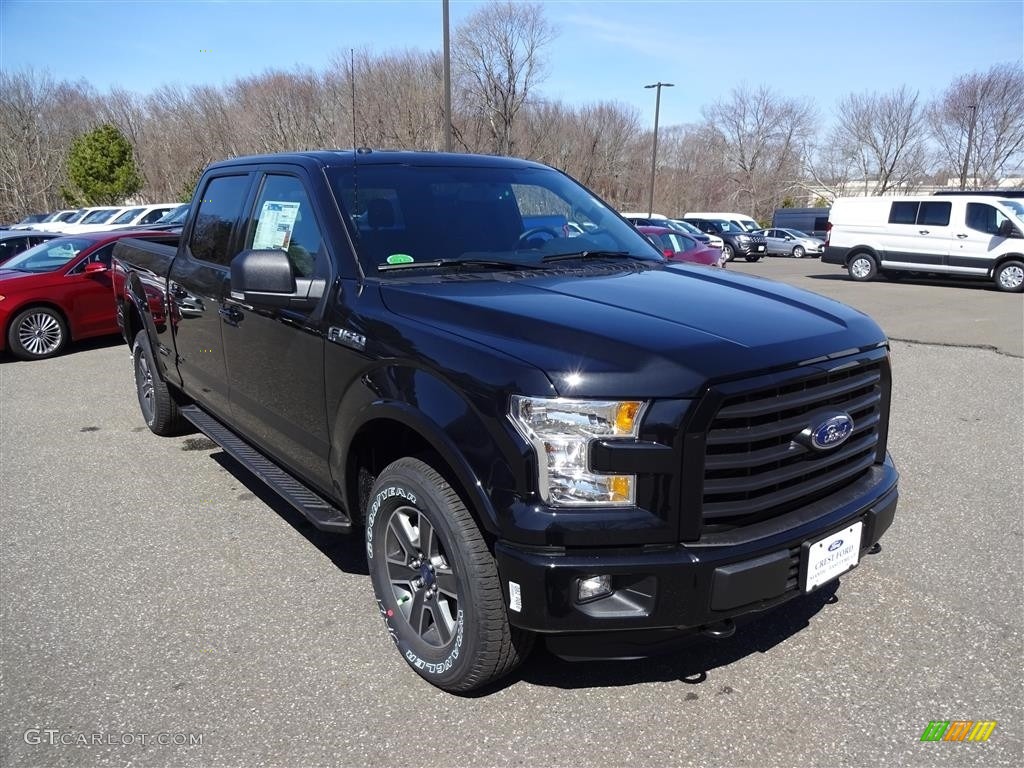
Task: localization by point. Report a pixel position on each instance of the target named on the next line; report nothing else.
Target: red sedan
(677, 246)
(57, 292)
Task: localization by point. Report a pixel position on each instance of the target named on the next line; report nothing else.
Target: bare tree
(994, 101)
(883, 140)
(762, 134)
(497, 64)
(39, 118)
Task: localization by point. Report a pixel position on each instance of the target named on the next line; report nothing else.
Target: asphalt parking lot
(151, 587)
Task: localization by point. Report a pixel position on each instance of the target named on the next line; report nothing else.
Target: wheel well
(1005, 258)
(377, 444)
(34, 304)
(132, 321)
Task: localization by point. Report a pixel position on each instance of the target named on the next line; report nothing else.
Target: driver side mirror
(1007, 229)
(266, 279)
(95, 268)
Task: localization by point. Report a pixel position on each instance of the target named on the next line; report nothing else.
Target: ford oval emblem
(832, 432)
(835, 545)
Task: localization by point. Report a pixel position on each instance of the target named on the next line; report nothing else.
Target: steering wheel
(525, 237)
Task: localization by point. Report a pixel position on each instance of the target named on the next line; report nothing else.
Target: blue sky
(608, 49)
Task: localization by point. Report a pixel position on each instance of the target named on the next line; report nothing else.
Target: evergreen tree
(101, 168)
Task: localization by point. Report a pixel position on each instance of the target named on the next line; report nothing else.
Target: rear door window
(935, 214)
(219, 208)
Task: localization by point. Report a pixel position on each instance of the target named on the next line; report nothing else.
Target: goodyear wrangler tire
(156, 401)
(436, 581)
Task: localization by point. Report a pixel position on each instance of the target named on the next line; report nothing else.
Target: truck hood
(636, 330)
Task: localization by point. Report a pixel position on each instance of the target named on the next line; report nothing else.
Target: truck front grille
(755, 467)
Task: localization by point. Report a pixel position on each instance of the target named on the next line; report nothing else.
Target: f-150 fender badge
(346, 338)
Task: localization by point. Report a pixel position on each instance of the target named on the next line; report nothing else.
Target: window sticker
(400, 258)
(277, 220)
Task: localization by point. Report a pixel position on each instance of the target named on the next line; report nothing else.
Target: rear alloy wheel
(436, 581)
(798, 251)
(1009, 277)
(862, 268)
(157, 403)
(37, 333)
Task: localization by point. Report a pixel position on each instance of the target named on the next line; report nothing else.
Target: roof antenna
(355, 151)
(352, 75)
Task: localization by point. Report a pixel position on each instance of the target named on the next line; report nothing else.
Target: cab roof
(346, 158)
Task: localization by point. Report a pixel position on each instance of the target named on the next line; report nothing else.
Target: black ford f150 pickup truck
(535, 433)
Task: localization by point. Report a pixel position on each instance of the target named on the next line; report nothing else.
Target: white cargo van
(741, 220)
(971, 236)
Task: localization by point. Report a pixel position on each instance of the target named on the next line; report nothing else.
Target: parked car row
(96, 219)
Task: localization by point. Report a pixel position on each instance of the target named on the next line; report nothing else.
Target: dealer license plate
(832, 556)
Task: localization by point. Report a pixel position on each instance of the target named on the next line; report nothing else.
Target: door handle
(962, 236)
(922, 232)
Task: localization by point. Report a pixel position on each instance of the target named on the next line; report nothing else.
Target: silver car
(791, 242)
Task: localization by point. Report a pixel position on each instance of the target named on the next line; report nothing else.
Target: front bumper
(689, 585)
(749, 248)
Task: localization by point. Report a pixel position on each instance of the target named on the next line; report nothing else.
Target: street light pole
(654, 156)
(447, 82)
(970, 140)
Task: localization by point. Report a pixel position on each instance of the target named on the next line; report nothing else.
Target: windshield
(48, 256)
(726, 226)
(127, 216)
(100, 216)
(797, 233)
(402, 214)
(1017, 207)
(685, 226)
(175, 216)
(745, 225)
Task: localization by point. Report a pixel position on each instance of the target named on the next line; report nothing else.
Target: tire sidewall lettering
(439, 667)
(387, 498)
(375, 506)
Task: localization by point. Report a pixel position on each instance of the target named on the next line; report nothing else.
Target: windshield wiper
(591, 255)
(444, 263)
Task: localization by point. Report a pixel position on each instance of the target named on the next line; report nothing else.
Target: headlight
(743, 238)
(561, 432)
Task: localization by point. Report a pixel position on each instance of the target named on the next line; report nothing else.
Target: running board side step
(321, 513)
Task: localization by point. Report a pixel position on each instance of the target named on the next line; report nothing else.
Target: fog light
(593, 587)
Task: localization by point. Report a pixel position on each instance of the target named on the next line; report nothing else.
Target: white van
(741, 220)
(971, 235)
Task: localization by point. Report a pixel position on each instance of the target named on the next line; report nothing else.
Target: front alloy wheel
(436, 581)
(423, 583)
(1010, 277)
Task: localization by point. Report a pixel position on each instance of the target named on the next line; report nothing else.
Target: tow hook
(875, 548)
(721, 630)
